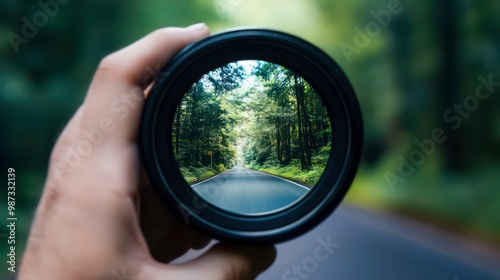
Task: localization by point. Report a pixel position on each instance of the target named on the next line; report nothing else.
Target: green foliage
(264, 114)
(294, 172)
(201, 131)
(290, 122)
(220, 167)
(194, 175)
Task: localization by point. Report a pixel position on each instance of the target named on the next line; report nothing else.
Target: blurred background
(426, 74)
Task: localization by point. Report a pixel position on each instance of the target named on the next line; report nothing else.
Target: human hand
(88, 222)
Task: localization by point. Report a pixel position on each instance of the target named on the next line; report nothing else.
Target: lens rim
(188, 66)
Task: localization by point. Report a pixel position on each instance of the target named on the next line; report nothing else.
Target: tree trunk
(298, 95)
(178, 129)
(278, 141)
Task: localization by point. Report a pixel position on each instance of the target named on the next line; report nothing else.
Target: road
(354, 243)
(248, 191)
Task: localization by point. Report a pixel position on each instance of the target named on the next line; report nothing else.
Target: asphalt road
(354, 243)
(248, 191)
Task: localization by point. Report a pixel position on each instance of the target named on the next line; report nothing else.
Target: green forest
(253, 113)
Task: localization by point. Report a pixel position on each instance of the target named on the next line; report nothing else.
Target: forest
(253, 113)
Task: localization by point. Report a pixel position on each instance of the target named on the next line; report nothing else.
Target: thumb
(224, 262)
(122, 76)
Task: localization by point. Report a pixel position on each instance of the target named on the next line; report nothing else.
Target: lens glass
(251, 137)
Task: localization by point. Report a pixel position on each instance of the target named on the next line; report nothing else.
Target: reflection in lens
(251, 137)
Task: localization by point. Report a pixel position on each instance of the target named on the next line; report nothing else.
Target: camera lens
(251, 136)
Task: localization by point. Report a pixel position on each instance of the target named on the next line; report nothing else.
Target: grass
(197, 174)
(294, 171)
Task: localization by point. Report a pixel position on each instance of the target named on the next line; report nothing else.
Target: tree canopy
(253, 113)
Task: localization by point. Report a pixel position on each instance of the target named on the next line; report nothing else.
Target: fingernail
(197, 27)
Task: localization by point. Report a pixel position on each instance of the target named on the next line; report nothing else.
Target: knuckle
(109, 65)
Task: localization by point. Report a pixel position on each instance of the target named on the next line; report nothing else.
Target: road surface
(247, 191)
(354, 243)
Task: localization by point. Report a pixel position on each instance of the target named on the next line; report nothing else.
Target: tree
(295, 112)
(201, 123)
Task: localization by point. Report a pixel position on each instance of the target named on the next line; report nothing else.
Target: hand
(87, 225)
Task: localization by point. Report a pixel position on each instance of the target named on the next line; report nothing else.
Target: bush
(194, 174)
(294, 172)
(188, 175)
(220, 167)
(206, 174)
